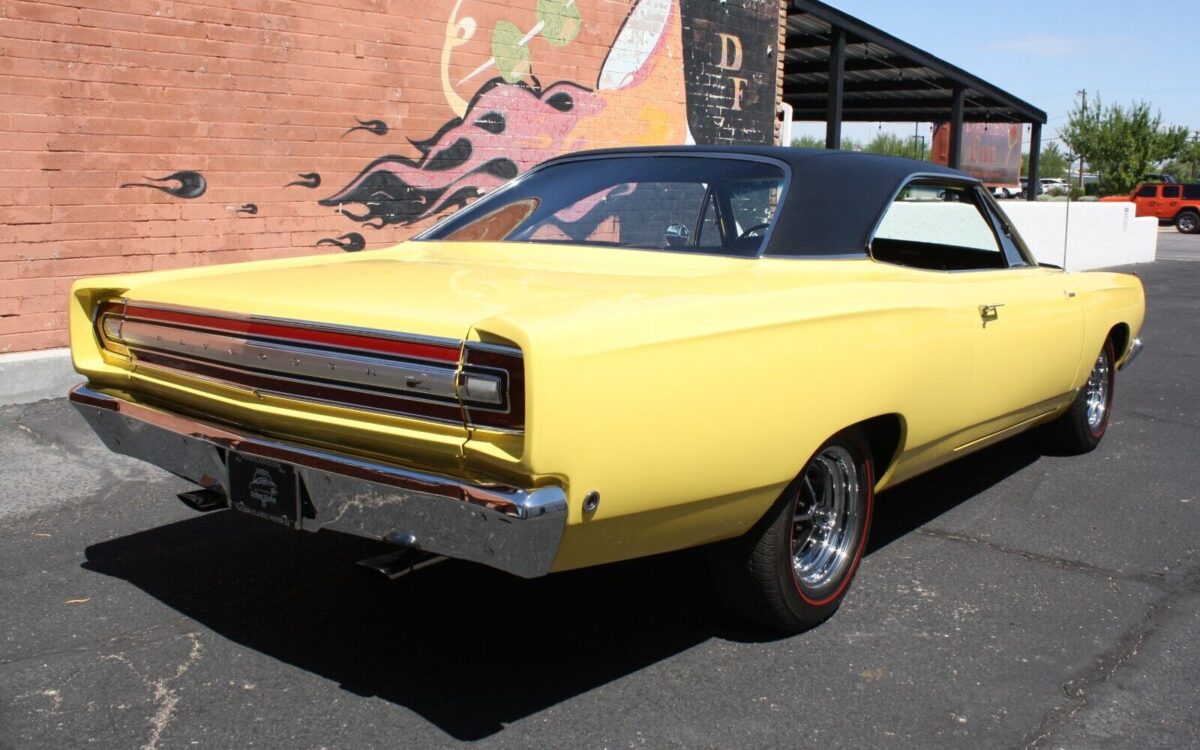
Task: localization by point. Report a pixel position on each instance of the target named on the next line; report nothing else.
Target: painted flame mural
(676, 71)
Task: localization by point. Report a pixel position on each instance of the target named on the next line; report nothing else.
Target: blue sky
(1045, 51)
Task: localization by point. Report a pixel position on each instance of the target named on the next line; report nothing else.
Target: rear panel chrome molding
(514, 529)
(443, 380)
(289, 360)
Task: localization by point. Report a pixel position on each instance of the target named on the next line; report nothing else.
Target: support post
(837, 84)
(956, 126)
(1035, 153)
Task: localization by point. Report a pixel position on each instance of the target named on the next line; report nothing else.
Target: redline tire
(793, 569)
(1081, 428)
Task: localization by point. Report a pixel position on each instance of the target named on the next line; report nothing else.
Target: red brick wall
(238, 98)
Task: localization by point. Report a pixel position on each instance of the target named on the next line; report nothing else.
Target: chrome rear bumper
(513, 529)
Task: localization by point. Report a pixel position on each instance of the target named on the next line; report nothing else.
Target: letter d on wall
(731, 52)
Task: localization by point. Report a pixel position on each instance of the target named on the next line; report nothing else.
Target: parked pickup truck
(1169, 203)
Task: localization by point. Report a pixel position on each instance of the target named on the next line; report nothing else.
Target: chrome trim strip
(158, 370)
(514, 529)
(294, 361)
(305, 324)
(1135, 348)
(494, 348)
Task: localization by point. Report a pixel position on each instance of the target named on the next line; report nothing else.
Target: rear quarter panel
(690, 413)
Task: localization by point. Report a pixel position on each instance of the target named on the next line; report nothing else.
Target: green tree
(1119, 143)
(808, 141)
(1186, 166)
(1053, 162)
(897, 145)
(883, 143)
(817, 141)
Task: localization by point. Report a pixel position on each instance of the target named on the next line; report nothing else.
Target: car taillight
(109, 320)
(492, 387)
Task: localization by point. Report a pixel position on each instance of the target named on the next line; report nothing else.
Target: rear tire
(1082, 427)
(1188, 222)
(792, 570)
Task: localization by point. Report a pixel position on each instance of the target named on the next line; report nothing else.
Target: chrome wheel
(1187, 223)
(824, 518)
(1096, 392)
(792, 569)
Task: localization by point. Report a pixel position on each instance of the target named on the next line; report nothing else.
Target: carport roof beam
(883, 78)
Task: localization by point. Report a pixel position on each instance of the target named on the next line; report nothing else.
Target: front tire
(792, 570)
(1188, 222)
(1082, 427)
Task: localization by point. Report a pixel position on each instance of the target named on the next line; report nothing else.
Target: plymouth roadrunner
(617, 354)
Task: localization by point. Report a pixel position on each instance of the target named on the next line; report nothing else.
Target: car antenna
(1067, 219)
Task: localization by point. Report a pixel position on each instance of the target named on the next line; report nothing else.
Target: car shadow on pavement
(917, 502)
(467, 648)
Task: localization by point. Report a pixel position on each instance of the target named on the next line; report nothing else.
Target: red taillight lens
(108, 320)
(492, 387)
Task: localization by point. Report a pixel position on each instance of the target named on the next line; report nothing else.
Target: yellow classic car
(617, 354)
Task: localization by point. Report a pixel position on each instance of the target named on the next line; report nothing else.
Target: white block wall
(1100, 234)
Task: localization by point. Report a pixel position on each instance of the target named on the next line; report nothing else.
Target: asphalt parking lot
(1009, 600)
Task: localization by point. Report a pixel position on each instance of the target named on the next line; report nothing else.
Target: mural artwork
(190, 184)
(378, 127)
(307, 179)
(351, 242)
(724, 91)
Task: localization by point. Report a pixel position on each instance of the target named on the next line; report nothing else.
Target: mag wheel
(1188, 222)
(792, 570)
(1082, 427)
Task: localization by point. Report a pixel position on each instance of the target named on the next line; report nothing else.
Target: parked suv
(1170, 203)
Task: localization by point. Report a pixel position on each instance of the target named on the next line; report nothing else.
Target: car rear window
(714, 205)
(1191, 192)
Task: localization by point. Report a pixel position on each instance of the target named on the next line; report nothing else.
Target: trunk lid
(432, 288)
(424, 289)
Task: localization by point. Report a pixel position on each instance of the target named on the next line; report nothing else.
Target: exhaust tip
(400, 563)
(204, 500)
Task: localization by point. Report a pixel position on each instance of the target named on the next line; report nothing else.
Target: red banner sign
(989, 151)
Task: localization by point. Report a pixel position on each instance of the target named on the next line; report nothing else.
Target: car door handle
(989, 313)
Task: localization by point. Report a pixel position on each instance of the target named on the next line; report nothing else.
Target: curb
(34, 376)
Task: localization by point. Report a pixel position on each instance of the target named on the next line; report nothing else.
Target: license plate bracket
(265, 488)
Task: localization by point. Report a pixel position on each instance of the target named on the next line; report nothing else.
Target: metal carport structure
(838, 69)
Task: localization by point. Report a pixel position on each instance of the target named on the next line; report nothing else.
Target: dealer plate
(264, 488)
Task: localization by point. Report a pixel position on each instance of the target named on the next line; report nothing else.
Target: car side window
(1191, 192)
(1147, 191)
(1170, 191)
(938, 227)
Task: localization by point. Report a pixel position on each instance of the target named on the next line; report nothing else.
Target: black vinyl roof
(834, 198)
(885, 78)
